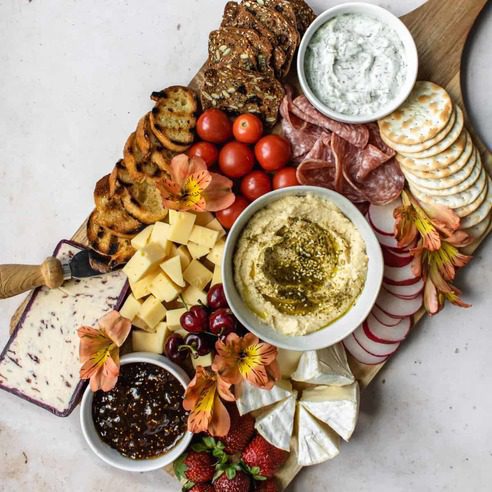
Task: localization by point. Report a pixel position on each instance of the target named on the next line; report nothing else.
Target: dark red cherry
(216, 298)
(222, 322)
(173, 349)
(198, 343)
(195, 320)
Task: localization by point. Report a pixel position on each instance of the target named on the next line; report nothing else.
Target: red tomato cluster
(238, 147)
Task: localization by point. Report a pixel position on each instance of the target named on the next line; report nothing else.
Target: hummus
(300, 264)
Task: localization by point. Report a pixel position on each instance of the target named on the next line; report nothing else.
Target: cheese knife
(15, 279)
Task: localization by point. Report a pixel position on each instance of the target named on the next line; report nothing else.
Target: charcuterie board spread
(268, 240)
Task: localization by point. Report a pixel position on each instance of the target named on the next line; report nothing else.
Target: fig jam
(142, 416)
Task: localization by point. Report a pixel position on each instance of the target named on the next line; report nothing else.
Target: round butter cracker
(481, 212)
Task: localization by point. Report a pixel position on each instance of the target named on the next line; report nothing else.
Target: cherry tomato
(206, 150)
(272, 152)
(228, 216)
(214, 126)
(236, 159)
(285, 177)
(255, 184)
(247, 128)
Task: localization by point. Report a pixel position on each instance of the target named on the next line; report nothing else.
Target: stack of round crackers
(438, 157)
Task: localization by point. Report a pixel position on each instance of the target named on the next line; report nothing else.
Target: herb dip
(355, 64)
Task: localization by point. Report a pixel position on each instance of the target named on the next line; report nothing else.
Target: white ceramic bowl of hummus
(357, 62)
(287, 332)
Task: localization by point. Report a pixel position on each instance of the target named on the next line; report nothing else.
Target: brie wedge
(288, 361)
(315, 440)
(251, 398)
(327, 366)
(337, 406)
(277, 422)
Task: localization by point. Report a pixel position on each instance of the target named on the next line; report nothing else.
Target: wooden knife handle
(15, 279)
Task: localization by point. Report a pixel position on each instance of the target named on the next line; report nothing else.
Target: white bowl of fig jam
(140, 425)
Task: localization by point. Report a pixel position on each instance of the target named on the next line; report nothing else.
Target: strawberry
(240, 433)
(196, 467)
(202, 487)
(269, 485)
(233, 480)
(262, 458)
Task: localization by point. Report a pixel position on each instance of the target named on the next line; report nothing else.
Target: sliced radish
(388, 241)
(400, 275)
(405, 291)
(395, 307)
(383, 318)
(394, 259)
(374, 348)
(381, 217)
(378, 332)
(359, 354)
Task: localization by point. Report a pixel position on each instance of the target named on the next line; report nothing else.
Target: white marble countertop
(74, 78)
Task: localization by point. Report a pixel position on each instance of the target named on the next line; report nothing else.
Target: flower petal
(218, 194)
(116, 327)
(180, 165)
(220, 422)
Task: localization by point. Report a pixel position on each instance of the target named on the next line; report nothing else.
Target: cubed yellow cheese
(130, 308)
(173, 318)
(197, 275)
(203, 236)
(216, 226)
(217, 278)
(203, 218)
(141, 288)
(160, 235)
(203, 360)
(184, 256)
(172, 268)
(152, 311)
(173, 216)
(164, 289)
(181, 228)
(197, 251)
(143, 260)
(142, 238)
(217, 252)
(150, 342)
(182, 332)
(192, 296)
(139, 323)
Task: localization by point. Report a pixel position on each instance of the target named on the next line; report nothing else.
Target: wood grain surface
(440, 29)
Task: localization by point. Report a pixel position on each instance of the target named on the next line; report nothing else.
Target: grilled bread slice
(110, 211)
(240, 91)
(173, 118)
(143, 201)
(304, 14)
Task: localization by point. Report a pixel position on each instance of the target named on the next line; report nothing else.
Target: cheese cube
(143, 260)
(203, 360)
(197, 251)
(182, 332)
(192, 296)
(142, 238)
(173, 216)
(172, 268)
(203, 236)
(139, 323)
(160, 235)
(150, 342)
(217, 252)
(152, 311)
(197, 275)
(203, 218)
(163, 288)
(216, 226)
(131, 307)
(173, 318)
(181, 228)
(217, 278)
(184, 256)
(141, 288)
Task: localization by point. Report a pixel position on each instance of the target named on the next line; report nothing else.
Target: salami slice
(384, 184)
(357, 135)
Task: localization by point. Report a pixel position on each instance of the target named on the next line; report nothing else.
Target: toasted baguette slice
(173, 118)
(110, 210)
(143, 201)
(239, 91)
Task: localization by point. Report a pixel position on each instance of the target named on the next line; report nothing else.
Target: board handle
(16, 279)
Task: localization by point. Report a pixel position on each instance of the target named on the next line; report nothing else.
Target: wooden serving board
(440, 29)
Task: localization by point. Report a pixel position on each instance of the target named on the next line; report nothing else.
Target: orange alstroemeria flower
(203, 400)
(190, 186)
(247, 358)
(99, 350)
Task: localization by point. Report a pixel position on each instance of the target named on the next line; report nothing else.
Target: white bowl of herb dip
(357, 62)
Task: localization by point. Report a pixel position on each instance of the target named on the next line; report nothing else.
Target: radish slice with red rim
(387, 241)
(383, 318)
(394, 259)
(381, 217)
(395, 307)
(405, 291)
(380, 333)
(400, 275)
(359, 354)
(374, 348)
